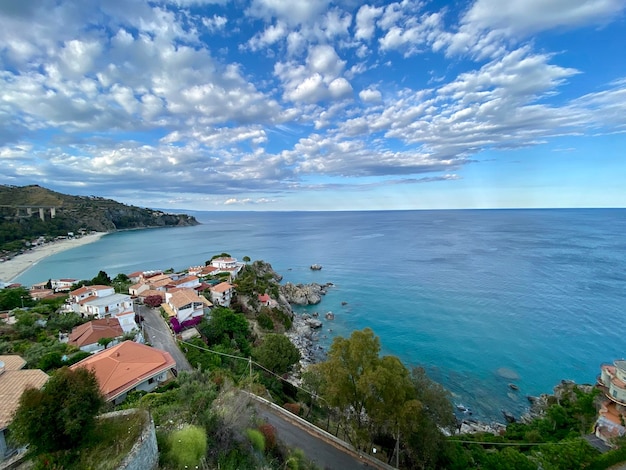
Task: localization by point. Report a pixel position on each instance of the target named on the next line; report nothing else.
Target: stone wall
(145, 454)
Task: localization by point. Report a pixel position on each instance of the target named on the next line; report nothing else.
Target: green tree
(61, 415)
(15, 297)
(227, 328)
(102, 279)
(347, 362)
(277, 353)
(246, 259)
(105, 342)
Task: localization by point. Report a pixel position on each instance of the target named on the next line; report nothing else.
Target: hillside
(29, 212)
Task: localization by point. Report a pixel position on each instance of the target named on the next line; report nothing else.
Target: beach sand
(12, 268)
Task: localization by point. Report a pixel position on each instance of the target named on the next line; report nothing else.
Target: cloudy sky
(317, 104)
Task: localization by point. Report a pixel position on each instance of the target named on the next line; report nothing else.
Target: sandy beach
(12, 268)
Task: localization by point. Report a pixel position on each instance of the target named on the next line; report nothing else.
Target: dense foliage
(73, 214)
(60, 416)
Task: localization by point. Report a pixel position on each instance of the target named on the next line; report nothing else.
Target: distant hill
(29, 212)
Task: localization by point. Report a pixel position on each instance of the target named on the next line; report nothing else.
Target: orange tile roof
(12, 385)
(125, 366)
(222, 287)
(182, 297)
(149, 292)
(85, 289)
(91, 332)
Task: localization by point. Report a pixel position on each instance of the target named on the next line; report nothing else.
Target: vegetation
(277, 353)
(77, 214)
(187, 446)
(62, 415)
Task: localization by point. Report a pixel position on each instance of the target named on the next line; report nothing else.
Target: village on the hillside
(119, 355)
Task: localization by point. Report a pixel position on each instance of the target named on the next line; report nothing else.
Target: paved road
(159, 335)
(321, 453)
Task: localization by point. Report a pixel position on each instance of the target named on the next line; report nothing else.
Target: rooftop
(125, 366)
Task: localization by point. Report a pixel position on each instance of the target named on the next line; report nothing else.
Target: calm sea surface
(480, 298)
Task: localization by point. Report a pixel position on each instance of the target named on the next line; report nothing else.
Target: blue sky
(317, 104)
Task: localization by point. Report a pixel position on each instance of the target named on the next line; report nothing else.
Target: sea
(480, 298)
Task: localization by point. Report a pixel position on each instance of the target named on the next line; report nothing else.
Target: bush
(265, 321)
(256, 439)
(187, 446)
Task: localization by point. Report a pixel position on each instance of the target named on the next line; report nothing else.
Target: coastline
(21, 263)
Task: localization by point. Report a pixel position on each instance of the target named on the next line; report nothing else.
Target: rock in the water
(329, 316)
(344, 303)
(316, 267)
(302, 294)
(508, 416)
(315, 324)
(513, 386)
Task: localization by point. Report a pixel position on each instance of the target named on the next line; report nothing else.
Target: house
(136, 289)
(185, 304)
(82, 293)
(127, 367)
(227, 265)
(86, 336)
(151, 292)
(136, 276)
(612, 381)
(188, 281)
(266, 300)
(13, 381)
(102, 302)
(202, 271)
(612, 413)
(62, 285)
(222, 294)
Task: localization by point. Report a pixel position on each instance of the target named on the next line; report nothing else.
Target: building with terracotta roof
(127, 367)
(612, 414)
(222, 294)
(86, 336)
(138, 288)
(185, 304)
(13, 381)
(189, 281)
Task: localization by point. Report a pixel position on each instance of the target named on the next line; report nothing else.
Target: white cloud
(292, 12)
(522, 17)
(370, 96)
(215, 23)
(365, 22)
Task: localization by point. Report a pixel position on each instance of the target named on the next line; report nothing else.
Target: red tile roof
(91, 332)
(125, 366)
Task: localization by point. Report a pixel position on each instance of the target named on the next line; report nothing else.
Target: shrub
(187, 446)
(269, 435)
(265, 321)
(256, 439)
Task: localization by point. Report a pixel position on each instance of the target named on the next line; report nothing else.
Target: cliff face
(20, 217)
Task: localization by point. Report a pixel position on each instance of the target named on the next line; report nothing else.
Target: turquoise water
(474, 296)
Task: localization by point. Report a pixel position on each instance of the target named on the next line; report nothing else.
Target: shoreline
(19, 264)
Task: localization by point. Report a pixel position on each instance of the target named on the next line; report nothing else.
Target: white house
(227, 265)
(62, 285)
(189, 282)
(138, 288)
(82, 293)
(613, 381)
(222, 294)
(185, 304)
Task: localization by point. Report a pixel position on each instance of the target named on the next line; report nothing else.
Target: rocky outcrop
(303, 294)
(565, 390)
